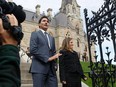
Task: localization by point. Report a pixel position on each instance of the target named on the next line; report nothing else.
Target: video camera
(17, 10)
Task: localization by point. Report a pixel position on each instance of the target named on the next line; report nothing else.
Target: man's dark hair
(42, 18)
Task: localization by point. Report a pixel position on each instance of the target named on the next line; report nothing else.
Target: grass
(86, 70)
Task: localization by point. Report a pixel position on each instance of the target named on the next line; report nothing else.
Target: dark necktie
(47, 39)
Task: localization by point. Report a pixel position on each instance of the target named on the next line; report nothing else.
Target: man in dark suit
(42, 48)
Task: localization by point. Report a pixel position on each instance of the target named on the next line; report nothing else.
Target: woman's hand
(63, 82)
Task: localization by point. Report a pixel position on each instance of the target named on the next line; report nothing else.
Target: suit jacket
(40, 51)
(69, 63)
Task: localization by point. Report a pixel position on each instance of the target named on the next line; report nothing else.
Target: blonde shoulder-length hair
(65, 44)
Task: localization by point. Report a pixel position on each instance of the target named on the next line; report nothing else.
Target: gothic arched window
(77, 29)
(68, 34)
(73, 8)
(78, 42)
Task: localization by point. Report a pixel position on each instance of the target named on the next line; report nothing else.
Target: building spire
(69, 7)
(68, 1)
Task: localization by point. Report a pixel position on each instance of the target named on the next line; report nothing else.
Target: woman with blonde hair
(70, 69)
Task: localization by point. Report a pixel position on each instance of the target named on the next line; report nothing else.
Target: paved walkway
(83, 85)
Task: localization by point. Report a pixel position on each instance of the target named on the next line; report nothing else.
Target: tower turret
(37, 10)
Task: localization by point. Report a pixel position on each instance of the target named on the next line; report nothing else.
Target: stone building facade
(66, 23)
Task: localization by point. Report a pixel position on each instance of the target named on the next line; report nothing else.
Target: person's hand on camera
(5, 35)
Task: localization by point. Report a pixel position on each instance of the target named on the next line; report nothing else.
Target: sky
(91, 5)
(56, 4)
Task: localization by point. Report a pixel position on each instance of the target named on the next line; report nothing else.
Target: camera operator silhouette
(9, 44)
